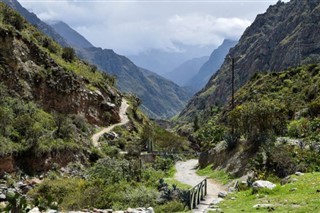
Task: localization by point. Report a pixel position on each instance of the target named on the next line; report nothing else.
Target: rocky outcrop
(287, 35)
(33, 75)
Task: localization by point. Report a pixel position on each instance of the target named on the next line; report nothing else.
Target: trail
(186, 173)
(123, 120)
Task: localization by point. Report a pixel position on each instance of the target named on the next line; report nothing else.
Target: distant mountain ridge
(73, 37)
(184, 72)
(164, 61)
(286, 35)
(130, 77)
(211, 66)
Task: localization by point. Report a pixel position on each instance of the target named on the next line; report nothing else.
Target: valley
(85, 129)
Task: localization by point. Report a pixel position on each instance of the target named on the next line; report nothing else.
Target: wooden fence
(197, 193)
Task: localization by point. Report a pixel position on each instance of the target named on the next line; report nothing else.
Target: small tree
(68, 54)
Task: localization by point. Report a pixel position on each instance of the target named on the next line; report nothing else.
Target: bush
(299, 128)
(257, 121)
(173, 206)
(68, 54)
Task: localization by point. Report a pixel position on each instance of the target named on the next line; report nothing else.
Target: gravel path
(123, 120)
(186, 173)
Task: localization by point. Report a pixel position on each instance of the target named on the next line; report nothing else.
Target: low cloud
(130, 27)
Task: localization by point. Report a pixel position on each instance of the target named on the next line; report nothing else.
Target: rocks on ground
(129, 210)
(259, 184)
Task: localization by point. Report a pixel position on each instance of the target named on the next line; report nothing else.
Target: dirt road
(186, 173)
(123, 120)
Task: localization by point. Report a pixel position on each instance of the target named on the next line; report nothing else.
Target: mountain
(286, 35)
(163, 61)
(201, 78)
(48, 104)
(33, 19)
(129, 77)
(184, 72)
(160, 97)
(70, 35)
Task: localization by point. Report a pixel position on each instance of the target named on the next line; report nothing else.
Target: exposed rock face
(286, 35)
(31, 74)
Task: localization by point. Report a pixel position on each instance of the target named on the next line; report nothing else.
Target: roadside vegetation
(301, 195)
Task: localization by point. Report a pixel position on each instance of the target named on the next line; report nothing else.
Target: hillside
(49, 101)
(34, 20)
(275, 114)
(184, 72)
(129, 77)
(285, 36)
(212, 65)
(160, 97)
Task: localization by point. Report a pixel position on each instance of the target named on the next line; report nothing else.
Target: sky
(134, 26)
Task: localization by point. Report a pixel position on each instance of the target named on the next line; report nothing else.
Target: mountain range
(286, 35)
(198, 81)
(157, 101)
(164, 61)
(186, 71)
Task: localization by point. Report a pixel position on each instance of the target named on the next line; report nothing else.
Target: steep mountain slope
(71, 36)
(201, 78)
(33, 19)
(286, 35)
(130, 78)
(283, 105)
(48, 102)
(160, 97)
(184, 72)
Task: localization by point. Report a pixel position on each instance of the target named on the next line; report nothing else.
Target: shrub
(68, 54)
(299, 128)
(257, 121)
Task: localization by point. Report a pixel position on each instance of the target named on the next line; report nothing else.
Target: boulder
(216, 201)
(299, 173)
(35, 210)
(222, 194)
(2, 197)
(150, 210)
(257, 206)
(259, 184)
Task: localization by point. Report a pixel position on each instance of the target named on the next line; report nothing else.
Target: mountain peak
(73, 37)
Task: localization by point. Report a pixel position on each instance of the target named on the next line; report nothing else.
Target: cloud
(130, 27)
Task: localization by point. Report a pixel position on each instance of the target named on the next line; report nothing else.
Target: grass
(179, 185)
(218, 175)
(304, 199)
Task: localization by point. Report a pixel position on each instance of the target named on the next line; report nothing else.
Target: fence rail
(197, 193)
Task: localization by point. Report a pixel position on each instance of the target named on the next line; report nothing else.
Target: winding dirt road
(186, 173)
(123, 120)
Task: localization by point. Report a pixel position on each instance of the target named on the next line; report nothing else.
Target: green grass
(179, 185)
(218, 175)
(304, 199)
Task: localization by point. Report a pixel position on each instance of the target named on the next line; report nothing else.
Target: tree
(257, 121)
(68, 54)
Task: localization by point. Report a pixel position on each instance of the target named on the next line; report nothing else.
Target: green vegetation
(299, 196)
(68, 54)
(218, 175)
(24, 127)
(272, 105)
